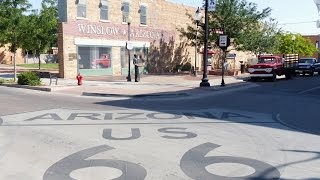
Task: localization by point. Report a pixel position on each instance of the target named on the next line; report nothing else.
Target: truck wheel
(288, 76)
(312, 73)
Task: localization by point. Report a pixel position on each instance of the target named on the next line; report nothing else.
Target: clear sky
(292, 15)
(286, 12)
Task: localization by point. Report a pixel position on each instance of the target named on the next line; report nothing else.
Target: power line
(303, 22)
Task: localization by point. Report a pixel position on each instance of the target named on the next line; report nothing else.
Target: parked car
(308, 66)
(103, 62)
(270, 66)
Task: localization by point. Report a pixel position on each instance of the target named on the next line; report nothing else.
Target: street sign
(231, 56)
(212, 5)
(129, 46)
(223, 41)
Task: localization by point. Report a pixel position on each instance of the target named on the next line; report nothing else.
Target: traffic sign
(129, 45)
(223, 40)
(212, 5)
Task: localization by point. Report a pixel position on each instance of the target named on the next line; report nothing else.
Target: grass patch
(43, 66)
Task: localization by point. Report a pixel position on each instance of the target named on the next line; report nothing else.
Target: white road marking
(308, 90)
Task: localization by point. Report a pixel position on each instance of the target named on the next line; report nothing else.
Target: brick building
(93, 36)
(6, 57)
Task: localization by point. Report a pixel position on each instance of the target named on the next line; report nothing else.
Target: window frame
(143, 15)
(104, 8)
(125, 14)
(82, 4)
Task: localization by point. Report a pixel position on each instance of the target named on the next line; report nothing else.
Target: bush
(186, 67)
(177, 68)
(29, 78)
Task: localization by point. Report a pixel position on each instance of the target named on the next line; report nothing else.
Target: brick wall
(163, 18)
(6, 57)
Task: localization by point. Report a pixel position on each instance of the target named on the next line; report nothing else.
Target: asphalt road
(271, 131)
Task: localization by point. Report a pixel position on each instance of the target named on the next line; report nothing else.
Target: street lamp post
(223, 68)
(198, 16)
(129, 64)
(205, 80)
(293, 43)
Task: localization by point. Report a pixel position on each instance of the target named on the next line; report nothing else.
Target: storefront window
(141, 52)
(94, 57)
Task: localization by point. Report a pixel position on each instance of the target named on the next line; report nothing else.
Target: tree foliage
(299, 45)
(236, 18)
(28, 29)
(11, 22)
(264, 38)
(40, 29)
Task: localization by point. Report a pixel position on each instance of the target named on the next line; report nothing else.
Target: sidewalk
(149, 86)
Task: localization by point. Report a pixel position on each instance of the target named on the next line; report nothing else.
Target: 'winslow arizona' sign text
(118, 31)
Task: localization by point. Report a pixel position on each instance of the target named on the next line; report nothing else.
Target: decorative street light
(197, 17)
(205, 80)
(293, 42)
(129, 47)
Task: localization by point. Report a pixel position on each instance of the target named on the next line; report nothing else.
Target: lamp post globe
(129, 58)
(198, 15)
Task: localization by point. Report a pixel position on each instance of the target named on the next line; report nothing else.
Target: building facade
(6, 57)
(93, 36)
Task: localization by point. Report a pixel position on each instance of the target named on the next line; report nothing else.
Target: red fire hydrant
(79, 78)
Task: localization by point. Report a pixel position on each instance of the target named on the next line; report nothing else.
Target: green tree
(234, 17)
(299, 45)
(264, 38)
(11, 31)
(42, 29)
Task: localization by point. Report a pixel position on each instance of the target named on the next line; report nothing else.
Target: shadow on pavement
(163, 104)
(230, 113)
(6, 75)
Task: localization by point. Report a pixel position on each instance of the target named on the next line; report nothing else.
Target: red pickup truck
(269, 67)
(103, 62)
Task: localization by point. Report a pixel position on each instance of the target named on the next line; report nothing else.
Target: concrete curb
(46, 89)
(158, 95)
(37, 88)
(231, 85)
